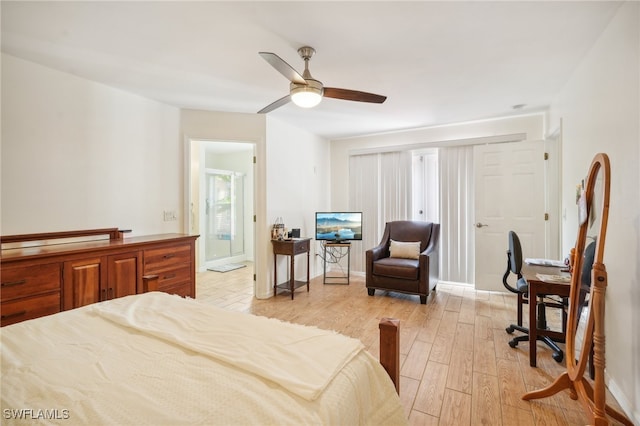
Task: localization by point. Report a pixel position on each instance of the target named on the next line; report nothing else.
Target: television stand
(334, 252)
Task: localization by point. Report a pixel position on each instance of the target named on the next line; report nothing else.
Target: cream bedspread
(158, 359)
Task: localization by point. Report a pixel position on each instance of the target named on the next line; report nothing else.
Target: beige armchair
(406, 260)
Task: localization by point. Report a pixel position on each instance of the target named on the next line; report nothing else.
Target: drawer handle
(13, 315)
(166, 277)
(12, 283)
(168, 256)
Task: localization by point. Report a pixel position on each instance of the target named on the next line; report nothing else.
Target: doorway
(222, 203)
(509, 196)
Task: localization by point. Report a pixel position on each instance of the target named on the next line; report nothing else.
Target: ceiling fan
(306, 91)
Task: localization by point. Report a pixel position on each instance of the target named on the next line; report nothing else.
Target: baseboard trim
(625, 404)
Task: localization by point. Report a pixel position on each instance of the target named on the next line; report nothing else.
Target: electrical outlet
(170, 215)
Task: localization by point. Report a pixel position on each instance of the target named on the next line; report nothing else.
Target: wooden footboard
(390, 348)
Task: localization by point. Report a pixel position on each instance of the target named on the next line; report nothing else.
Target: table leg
(292, 277)
(324, 264)
(308, 270)
(533, 324)
(275, 275)
(348, 264)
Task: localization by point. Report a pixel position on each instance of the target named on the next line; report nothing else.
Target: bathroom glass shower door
(224, 212)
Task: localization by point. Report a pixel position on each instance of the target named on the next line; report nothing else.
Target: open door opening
(221, 203)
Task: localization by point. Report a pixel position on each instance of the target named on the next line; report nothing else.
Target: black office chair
(514, 265)
(587, 265)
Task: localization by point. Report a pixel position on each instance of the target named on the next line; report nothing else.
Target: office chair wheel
(513, 343)
(558, 356)
(509, 329)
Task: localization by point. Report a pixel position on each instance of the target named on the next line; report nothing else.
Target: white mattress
(158, 359)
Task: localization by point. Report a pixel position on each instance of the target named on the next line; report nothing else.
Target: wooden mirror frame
(593, 398)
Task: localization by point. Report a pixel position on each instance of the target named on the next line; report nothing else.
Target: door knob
(480, 225)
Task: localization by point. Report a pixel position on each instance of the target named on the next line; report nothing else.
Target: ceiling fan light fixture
(306, 99)
(306, 95)
(304, 90)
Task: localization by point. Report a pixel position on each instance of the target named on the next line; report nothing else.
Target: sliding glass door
(224, 214)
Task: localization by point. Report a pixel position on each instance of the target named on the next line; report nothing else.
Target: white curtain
(380, 187)
(395, 187)
(364, 196)
(456, 214)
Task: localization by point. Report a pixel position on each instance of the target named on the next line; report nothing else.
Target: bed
(156, 359)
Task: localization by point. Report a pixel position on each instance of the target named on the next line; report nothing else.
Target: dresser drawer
(166, 258)
(29, 307)
(29, 280)
(172, 277)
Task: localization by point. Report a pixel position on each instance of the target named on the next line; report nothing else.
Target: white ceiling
(437, 62)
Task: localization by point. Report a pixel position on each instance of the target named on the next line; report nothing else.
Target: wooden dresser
(64, 273)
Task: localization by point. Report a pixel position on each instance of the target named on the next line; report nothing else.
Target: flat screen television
(338, 226)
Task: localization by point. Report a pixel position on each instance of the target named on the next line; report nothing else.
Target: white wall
(298, 180)
(533, 126)
(78, 155)
(599, 108)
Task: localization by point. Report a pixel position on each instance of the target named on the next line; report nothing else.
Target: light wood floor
(456, 365)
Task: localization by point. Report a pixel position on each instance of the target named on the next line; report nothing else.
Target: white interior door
(509, 196)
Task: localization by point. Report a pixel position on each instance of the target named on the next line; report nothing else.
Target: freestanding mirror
(585, 327)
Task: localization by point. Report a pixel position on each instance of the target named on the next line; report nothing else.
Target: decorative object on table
(278, 230)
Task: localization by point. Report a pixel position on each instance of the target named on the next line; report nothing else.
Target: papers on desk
(545, 262)
(560, 279)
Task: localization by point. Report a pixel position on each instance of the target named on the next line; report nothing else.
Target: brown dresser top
(14, 254)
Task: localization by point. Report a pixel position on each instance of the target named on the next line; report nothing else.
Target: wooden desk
(289, 248)
(538, 287)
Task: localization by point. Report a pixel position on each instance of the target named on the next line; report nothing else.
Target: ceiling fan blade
(277, 104)
(282, 67)
(353, 95)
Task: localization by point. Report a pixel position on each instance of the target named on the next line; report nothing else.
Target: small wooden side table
(290, 248)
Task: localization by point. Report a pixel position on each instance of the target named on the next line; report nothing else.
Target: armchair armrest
(378, 252)
(430, 256)
(432, 247)
(371, 255)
